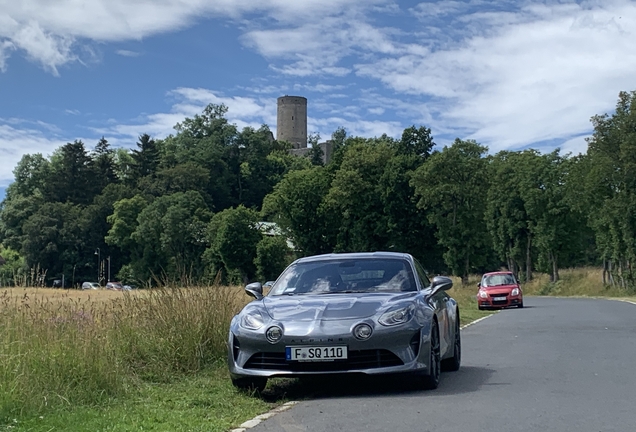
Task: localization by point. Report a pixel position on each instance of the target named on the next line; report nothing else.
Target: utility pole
(98, 252)
(109, 268)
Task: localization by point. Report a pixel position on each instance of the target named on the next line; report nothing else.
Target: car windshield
(346, 276)
(500, 279)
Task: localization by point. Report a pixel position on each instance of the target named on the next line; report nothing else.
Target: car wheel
(250, 384)
(453, 363)
(520, 305)
(430, 381)
(481, 307)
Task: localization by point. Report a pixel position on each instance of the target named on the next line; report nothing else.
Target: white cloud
(537, 76)
(47, 31)
(16, 141)
(127, 53)
(242, 111)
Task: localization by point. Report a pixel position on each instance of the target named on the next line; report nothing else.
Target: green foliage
(233, 237)
(296, 205)
(452, 189)
(170, 237)
(272, 256)
(12, 267)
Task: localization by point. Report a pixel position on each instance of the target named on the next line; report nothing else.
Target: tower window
(292, 117)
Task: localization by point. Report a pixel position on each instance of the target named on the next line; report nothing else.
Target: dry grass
(579, 282)
(65, 347)
(54, 295)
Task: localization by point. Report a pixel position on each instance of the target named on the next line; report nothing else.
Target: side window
(422, 274)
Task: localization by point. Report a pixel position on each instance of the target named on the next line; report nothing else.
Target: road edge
(478, 320)
(288, 405)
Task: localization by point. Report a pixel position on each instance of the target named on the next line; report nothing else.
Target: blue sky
(509, 74)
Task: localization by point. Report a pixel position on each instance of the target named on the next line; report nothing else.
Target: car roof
(355, 255)
(498, 273)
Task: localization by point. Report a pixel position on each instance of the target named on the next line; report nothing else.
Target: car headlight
(252, 320)
(395, 317)
(483, 294)
(274, 334)
(515, 291)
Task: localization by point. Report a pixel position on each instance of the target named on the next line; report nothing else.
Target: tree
(104, 164)
(72, 176)
(233, 238)
(506, 217)
(170, 236)
(145, 158)
(355, 196)
(315, 154)
(608, 177)
(296, 205)
(415, 141)
(272, 256)
(31, 175)
(12, 267)
(451, 188)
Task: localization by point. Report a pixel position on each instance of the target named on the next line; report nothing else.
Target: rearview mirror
(441, 283)
(255, 289)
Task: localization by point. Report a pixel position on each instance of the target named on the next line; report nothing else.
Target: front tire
(431, 380)
(250, 384)
(520, 305)
(452, 364)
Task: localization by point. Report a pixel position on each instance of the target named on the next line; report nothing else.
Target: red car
(499, 290)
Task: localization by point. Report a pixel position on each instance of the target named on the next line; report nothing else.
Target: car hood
(330, 306)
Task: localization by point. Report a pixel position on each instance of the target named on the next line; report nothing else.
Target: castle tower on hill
(291, 126)
(291, 121)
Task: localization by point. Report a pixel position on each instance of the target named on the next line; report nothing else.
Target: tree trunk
(529, 259)
(466, 271)
(555, 268)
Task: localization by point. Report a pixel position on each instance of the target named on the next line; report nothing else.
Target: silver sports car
(369, 313)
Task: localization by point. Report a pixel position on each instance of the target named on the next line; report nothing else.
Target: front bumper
(490, 303)
(388, 350)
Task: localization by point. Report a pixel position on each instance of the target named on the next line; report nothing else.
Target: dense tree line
(188, 208)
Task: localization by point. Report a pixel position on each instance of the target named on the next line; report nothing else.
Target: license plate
(310, 354)
(499, 299)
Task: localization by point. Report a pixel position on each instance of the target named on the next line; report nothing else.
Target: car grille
(365, 359)
(499, 295)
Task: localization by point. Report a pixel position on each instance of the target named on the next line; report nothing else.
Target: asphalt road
(556, 365)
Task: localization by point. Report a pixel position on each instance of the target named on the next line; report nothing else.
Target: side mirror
(255, 289)
(478, 284)
(441, 283)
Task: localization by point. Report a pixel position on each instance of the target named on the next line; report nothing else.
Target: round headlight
(274, 334)
(362, 331)
(483, 294)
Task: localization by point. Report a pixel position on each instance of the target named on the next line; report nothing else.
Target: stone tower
(291, 122)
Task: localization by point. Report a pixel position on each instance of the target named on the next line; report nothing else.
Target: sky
(508, 74)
